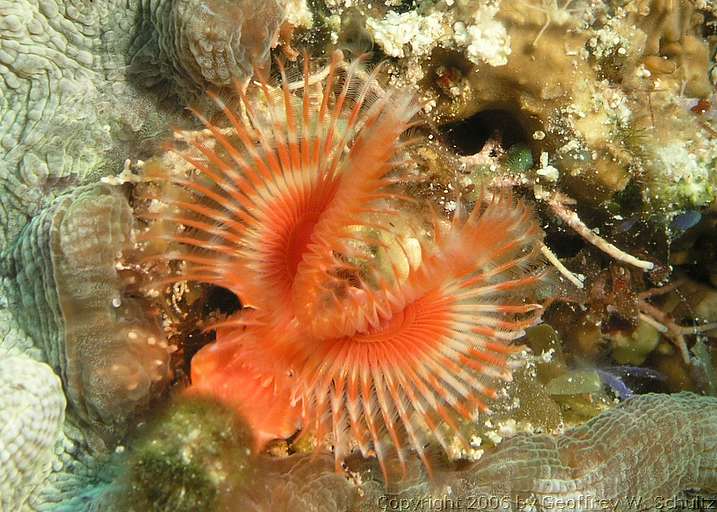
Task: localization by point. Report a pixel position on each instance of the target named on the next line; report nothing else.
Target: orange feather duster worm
(293, 207)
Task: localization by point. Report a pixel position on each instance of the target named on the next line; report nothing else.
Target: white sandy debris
(395, 32)
(416, 35)
(298, 14)
(485, 39)
(546, 170)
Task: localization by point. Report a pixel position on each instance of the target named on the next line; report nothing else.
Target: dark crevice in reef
(565, 244)
(215, 302)
(468, 136)
(221, 300)
(193, 342)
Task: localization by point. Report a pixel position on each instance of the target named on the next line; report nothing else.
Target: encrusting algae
(287, 209)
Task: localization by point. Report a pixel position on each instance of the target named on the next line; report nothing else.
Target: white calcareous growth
(484, 38)
(33, 411)
(411, 34)
(407, 33)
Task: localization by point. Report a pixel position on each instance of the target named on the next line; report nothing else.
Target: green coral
(519, 158)
(634, 348)
(189, 457)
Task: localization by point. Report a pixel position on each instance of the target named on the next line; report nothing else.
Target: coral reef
(600, 116)
(33, 409)
(674, 47)
(83, 83)
(614, 70)
(607, 462)
(199, 43)
(65, 287)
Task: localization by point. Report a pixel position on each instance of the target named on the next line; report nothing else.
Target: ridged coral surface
(306, 485)
(209, 42)
(650, 448)
(32, 405)
(68, 295)
(70, 106)
(609, 463)
(637, 456)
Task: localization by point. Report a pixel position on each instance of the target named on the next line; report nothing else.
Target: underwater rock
(575, 382)
(674, 45)
(191, 458)
(196, 456)
(33, 409)
(535, 406)
(635, 347)
(67, 294)
(577, 85)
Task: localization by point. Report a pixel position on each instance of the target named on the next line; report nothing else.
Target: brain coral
(608, 458)
(68, 295)
(76, 83)
(33, 409)
(606, 464)
(208, 42)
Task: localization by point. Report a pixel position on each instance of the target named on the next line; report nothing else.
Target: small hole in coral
(221, 300)
(564, 243)
(468, 136)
